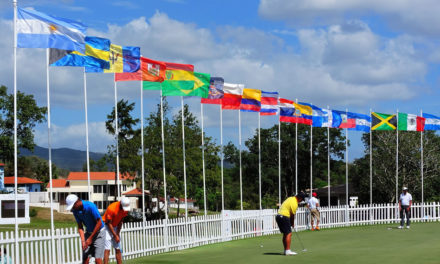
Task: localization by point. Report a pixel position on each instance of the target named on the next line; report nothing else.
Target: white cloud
(417, 17)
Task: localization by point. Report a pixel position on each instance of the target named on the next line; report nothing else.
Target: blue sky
(345, 54)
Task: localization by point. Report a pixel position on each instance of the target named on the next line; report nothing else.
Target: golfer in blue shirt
(93, 240)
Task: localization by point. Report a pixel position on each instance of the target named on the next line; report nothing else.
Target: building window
(8, 209)
(124, 187)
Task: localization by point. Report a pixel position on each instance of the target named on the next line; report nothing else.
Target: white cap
(405, 188)
(125, 203)
(70, 201)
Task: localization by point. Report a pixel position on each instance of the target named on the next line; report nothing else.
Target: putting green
(364, 244)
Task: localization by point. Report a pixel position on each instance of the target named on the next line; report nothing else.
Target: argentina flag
(39, 30)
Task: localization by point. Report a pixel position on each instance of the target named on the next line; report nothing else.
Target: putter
(302, 245)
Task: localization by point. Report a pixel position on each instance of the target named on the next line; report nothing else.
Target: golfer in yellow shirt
(286, 220)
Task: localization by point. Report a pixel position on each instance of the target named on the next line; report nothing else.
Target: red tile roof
(20, 180)
(58, 183)
(96, 176)
(135, 192)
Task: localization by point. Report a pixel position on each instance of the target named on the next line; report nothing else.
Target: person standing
(113, 218)
(93, 240)
(286, 220)
(313, 205)
(405, 202)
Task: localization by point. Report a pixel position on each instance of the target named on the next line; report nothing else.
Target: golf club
(302, 245)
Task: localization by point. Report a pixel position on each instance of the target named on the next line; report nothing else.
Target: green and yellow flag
(179, 79)
(383, 121)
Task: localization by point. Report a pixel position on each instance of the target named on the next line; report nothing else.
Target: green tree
(28, 115)
(96, 165)
(384, 166)
(128, 139)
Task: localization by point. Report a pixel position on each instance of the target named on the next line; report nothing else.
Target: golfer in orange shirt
(113, 218)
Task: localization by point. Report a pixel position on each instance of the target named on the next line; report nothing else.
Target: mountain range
(66, 158)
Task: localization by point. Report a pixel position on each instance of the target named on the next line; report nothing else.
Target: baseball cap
(314, 194)
(70, 201)
(405, 188)
(125, 203)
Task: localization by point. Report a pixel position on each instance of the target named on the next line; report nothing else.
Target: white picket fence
(159, 236)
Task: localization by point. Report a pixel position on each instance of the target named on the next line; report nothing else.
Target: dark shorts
(284, 224)
(96, 249)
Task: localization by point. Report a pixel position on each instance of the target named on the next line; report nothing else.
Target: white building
(102, 186)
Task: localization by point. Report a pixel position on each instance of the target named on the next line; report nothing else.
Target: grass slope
(366, 244)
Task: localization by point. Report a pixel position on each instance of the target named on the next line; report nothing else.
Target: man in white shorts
(405, 202)
(313, 205)
(113, 218)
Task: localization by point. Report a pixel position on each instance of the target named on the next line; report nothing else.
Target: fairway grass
(363, 244)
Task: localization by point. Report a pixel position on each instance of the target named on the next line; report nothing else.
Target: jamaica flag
(383, 121)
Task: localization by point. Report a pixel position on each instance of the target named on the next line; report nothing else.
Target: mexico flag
(409, 122)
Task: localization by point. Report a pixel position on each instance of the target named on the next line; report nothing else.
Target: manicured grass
(365, 244)
(42, 220)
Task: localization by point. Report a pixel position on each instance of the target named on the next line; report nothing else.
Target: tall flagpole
(397, 159)
(259, 159)
(296, 156)
(371, 168)
(184, 170)
(165, 232)
(279, 161)
(142, 162)
(117, 139)
(421, 168)
(222, 156)
(203, 163)
(241, 183)
(346, 171)
(87, 137)
(328, 156)
(311, 160)
(52, 229)
(15, 130)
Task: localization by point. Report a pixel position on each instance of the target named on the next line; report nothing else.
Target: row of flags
(69, 46)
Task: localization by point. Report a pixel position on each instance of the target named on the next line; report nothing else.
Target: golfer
(93, 239)
(113, 218)
(405, 202)
(286, 220)
(313, 205)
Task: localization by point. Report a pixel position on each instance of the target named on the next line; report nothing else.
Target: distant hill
(66, 158)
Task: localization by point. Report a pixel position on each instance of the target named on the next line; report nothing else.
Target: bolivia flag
(409, 122)
(179, 79)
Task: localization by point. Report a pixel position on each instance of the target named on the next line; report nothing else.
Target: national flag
(251, 100)
(232, 96)
(201, 85)
(179, 79)
(215, 91)
(362, 122)
(342, 120)
(150, 71)
(432, 122)
(409, 122)
(269, 103)
(97, 48)
(122, 59)
(59, 57)
(39, 30)
(295, 112)
(318, 115)
(381, 121)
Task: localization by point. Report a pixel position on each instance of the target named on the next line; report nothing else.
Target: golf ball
(261, 245)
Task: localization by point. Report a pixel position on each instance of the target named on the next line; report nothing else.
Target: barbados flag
(121, 59)
(251, 100)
